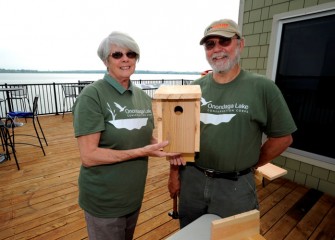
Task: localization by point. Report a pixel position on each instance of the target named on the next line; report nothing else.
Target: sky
(65, 34)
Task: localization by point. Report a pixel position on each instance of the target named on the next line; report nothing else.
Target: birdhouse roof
(178, 92)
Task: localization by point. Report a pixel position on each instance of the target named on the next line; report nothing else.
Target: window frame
(277, 26)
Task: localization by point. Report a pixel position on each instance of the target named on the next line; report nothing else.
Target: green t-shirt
(234, 117)
(125, 120)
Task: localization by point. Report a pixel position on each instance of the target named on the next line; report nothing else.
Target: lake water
(30, 78)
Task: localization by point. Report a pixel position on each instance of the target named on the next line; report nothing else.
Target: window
(302, 63)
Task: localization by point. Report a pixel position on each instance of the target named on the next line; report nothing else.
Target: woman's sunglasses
(223, 42)
(118, 55)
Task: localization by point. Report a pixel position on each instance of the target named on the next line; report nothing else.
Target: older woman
(113, 123)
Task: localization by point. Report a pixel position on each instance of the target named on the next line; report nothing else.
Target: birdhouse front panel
(179, 126)
(178, 117)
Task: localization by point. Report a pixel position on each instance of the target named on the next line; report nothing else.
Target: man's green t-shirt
(233, 118)
(124, 118)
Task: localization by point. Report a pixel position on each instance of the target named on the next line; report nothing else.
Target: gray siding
(256, 28)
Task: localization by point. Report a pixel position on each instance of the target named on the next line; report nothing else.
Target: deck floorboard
(41, 200)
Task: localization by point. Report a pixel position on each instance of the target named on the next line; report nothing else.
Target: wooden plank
(177, 92)
(158, 105)
(273, 186)
(255, 237)
(271, 171)
(179, 129)
(294, 215)
(236, 227)
(154, 222)
(161, 232)
(178, 118)
(38, 184)
(278, 211)
(276, 197)
(156, 184)
(197, 130)
(304, 229)
(28, 214)
(32, 200)
(56, 228)
(79, 234)
(42, 196)
(155, 210)
(258, 176)
(326, 230)
(152, 195)
(26, 224)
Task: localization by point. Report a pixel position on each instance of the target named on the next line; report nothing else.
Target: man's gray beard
(225, 67)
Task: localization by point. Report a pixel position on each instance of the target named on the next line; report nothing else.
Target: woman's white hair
(119, 39)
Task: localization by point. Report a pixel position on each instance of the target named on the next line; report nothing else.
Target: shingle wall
(257, 24)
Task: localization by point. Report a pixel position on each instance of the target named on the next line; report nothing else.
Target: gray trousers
(200, 194)
(121, 228)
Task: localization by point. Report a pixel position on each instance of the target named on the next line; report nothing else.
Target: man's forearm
(272, 148)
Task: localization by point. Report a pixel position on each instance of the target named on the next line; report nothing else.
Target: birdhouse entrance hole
(178, 110)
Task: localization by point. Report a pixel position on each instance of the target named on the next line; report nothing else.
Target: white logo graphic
(215, 115)
(215, 119)
(204, 102)
(129, 123)
(119, 107)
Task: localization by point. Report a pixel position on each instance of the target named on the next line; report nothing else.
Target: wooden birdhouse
(178, 118)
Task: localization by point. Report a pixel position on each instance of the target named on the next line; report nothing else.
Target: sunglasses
(223, 42)
(118, 55)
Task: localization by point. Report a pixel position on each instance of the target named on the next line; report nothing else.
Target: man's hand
(176, 160)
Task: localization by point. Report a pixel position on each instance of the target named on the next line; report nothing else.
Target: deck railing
(51, 95)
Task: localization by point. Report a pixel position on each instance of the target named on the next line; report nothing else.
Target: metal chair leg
(8, 143)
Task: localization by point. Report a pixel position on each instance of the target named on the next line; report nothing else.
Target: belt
(217, 174)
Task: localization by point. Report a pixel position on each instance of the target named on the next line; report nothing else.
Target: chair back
(20, 93)
(69, 91)
(35, 105)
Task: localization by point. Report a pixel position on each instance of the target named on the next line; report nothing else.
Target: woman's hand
(156, 150)
(174, 158)
(92, 155)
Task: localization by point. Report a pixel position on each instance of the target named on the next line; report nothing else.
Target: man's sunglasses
(223, 42)
(118, 55)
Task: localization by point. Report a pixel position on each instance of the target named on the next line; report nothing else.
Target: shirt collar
(115, 84)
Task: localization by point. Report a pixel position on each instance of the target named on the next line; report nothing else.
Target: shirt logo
(204, 102)
(119, 107)
(134, 118)
(216, 114)
(215, 119)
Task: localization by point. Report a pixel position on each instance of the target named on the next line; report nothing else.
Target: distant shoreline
(93, 71)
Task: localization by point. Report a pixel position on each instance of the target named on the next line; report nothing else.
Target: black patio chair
(12, 123)
(2, 112)
(21, 95)
(69, 93)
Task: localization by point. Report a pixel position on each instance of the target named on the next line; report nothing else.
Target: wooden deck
(40, 200)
